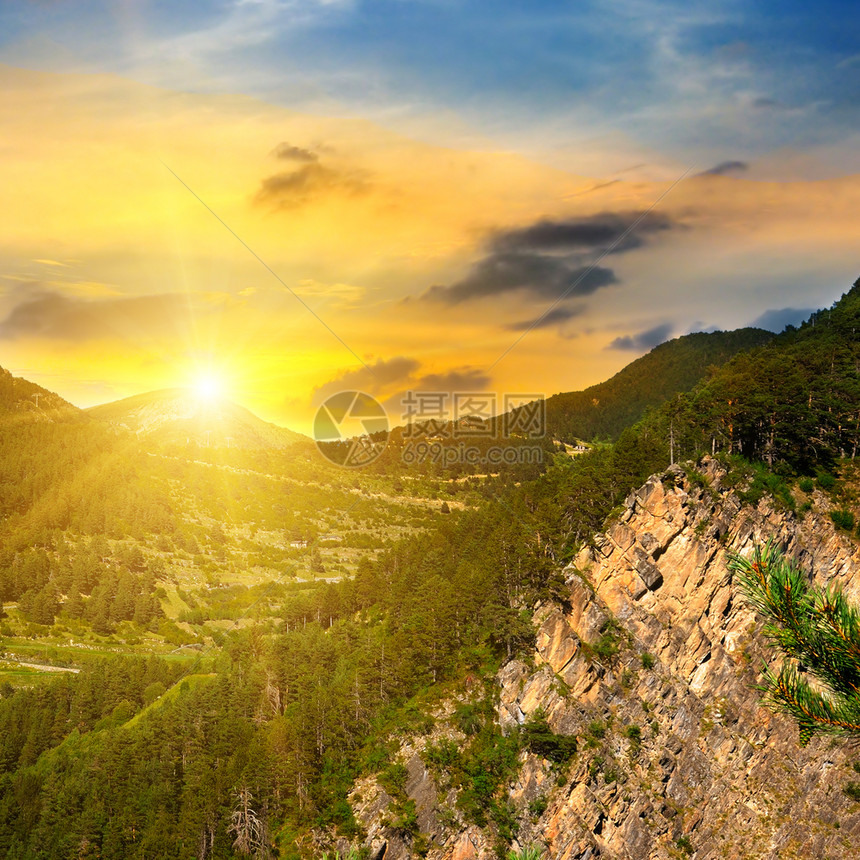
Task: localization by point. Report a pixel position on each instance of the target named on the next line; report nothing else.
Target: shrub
(537, 737)
(532, 852)
(648, 661)
(806, 485)
(765, 483)
(467, 718)
(443, 755)
(843, 520)
(852, 789)
(826, 481)
(393, 779)
(597, 729)
(538, 806)
(684, 844)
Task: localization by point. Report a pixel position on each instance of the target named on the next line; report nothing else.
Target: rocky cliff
(650, 662)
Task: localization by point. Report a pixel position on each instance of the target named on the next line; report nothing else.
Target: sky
(297, 197)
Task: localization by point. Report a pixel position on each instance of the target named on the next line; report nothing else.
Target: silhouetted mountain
(178, 416)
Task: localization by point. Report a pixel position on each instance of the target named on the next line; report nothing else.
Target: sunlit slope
(21, 399)
(180, 416)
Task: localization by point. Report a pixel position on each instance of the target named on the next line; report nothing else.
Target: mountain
(178, 417)
(333, 660)
(27, 401)
(606, 409)
(793, 403)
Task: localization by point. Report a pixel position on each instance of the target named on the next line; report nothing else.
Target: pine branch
(814, 712)
(818, 632)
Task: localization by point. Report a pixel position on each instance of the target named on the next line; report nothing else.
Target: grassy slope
(605, 410)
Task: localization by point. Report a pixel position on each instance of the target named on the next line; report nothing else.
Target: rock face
(651, 662)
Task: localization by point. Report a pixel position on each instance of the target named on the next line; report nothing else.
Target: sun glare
(208, 388)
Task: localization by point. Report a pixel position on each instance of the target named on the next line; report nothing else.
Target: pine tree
(818, 632)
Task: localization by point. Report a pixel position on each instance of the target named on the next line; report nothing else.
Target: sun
(208, 388)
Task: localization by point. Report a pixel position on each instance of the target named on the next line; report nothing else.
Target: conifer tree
(818, 632)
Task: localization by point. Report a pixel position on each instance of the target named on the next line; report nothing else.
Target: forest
(233, 687)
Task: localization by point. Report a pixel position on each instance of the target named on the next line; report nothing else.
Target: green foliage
(467, 718)
(818, 632)
(537, 737)
(767, 483)
(648, 661)
(478, 771)
(685, 845)
(852, 790)
(605, 410)
(607, 645)
(634, 734)
(393, 779)
(790, 404)
(404, 817)
(595, 766)
(349, 854)
(806, 485)
(538, 806)
(843, 520)
(530, 852)
(826, 481)
(595, 732)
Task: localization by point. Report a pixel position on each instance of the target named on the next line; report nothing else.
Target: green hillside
(260, 621)
(602, 411)
(23, 400)
(793, 403)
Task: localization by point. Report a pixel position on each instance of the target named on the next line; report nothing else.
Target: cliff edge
(650, 661)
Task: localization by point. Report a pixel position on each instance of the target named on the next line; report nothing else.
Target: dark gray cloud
(298, 187)
(726, 168)
(462, 379)
(401, 371)
(546, 277)
(644, 339)
(554, 317)
(54, 316)
(776, 320)
(765, 103)
(596, 232)
(552, 259)
(288, 152)
(371, 378)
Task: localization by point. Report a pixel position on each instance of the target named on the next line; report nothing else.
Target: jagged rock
(705, 761)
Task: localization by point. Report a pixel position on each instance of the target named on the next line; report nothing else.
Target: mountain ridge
(27, 400)
(178, 416)
(605, 409)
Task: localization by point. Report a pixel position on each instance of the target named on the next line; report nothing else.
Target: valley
(420, 659)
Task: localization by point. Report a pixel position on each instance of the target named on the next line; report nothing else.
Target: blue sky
(694, 83)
